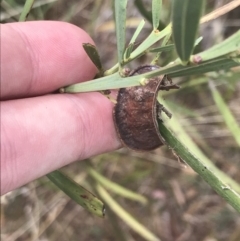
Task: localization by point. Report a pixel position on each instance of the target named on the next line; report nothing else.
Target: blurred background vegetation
(180, 206)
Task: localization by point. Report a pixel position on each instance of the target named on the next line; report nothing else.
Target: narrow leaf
(26, 10)
(120, 19)
(115, 81)
(149, 41)
(208, 66)
(116, 188)
(198, 40)
(170, 47)
(129, 49)
(185, 19)
(77, 193)
(93, 55)
(125, 216)
(166, 39)
(137, 31)
(153, 37)
(162, 49)
(156, 10)
(228, 46)
(227, 115)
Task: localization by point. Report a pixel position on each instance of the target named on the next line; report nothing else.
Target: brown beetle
(135, 114)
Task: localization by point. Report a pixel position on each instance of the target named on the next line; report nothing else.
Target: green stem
(26, 9)
(218, 180)
(111, 71)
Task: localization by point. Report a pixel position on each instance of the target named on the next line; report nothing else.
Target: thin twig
(220, 11)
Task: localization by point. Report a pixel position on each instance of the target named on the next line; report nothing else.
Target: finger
(44, 133)
(40, 57)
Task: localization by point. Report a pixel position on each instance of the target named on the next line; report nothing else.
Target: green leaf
(77, 193)
(145, 13)
(129, 49)
(149, 41)
(170, 47)
(93, 55)
(198, 40)
(208, 66)
(26, 10)
(114, 187)
(166, 39)
(228, 46)
(120, 21)
(125, 216)
(156, 10)
(137, 31)
(218, 180)
(162, 49)
(226, 113)
(115, 81)
(185, 19)
(153, 37)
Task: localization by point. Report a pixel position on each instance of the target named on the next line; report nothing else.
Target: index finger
(40, 57)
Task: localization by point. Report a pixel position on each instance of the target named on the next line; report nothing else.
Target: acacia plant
(182, 35)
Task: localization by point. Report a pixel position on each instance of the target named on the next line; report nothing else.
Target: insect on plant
(136, 112)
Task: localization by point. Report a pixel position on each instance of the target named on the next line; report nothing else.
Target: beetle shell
(135, 114)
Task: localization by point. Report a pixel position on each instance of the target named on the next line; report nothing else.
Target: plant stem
(218, 182)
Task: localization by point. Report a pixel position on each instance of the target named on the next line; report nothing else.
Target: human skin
(42, 131)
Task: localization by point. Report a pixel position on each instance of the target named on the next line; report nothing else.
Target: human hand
(42, 131)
